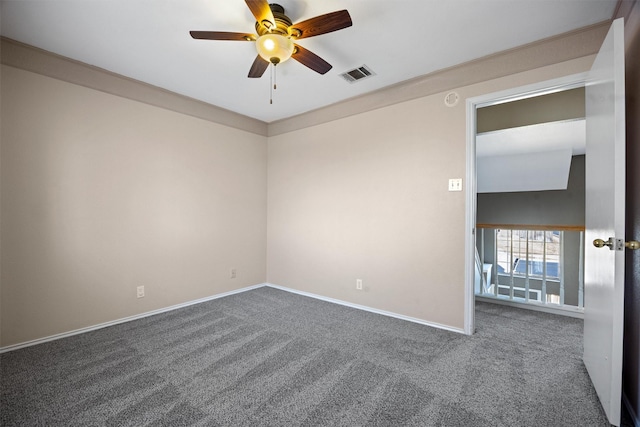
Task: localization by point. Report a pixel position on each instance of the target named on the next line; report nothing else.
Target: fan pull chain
(273, 86)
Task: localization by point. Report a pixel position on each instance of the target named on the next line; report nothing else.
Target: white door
(605, 205)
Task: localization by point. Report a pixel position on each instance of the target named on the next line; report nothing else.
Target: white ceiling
(529, 158)
(559, 135)
(148, 40)
(539, 171)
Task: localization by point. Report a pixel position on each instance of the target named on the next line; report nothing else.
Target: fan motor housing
(282, 22)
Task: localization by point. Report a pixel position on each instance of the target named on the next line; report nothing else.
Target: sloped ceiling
(529, 158)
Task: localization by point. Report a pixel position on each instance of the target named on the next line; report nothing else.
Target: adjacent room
(531, 201)
(242, 213)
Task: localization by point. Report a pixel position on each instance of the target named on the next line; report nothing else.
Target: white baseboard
(124, 319)
(568, 311)
(198, 301)
(369, 309)
(634, 416)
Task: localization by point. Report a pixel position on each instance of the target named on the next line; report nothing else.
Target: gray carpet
(272, 358)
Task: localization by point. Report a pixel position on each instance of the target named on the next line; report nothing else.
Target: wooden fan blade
(262, 12)
(258, 67)
(311, 60)
(222, 35)
(322, 24)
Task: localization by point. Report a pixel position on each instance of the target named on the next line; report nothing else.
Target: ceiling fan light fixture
(274, 48)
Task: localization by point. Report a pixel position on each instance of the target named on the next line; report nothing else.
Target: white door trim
(508, 95)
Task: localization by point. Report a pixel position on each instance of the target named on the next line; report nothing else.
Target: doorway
(531, 202)
(473, 104)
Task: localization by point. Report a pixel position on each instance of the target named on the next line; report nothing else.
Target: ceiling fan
(276, 34)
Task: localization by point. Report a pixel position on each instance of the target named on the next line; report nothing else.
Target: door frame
(513, 94)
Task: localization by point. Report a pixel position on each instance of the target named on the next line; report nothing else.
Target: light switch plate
(455, 184)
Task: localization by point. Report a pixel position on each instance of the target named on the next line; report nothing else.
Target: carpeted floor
(272, 358)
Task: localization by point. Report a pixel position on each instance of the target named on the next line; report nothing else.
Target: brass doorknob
(599, 243)
(632, 244)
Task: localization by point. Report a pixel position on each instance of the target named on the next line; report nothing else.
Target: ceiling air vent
(356, 74)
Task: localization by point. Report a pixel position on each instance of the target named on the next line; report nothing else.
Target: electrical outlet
(359, 284)
(232, 274)
(140, 291)
(455, 184)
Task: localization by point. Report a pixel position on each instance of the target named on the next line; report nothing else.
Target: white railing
(480, 284)
(520, 286)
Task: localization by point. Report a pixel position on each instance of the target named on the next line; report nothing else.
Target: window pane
(543, 248)
(503, 243)
(553, 254)
(536, 252)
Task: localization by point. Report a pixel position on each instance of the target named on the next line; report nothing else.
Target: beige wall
(109, 184)
(563, 105)
(365, 197)
(101, 194)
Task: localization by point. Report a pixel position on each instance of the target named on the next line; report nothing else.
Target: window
(529, 253)
(531, 264)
